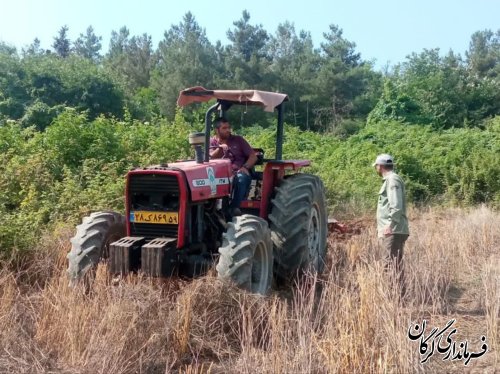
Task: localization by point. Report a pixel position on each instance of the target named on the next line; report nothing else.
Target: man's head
(222, 128)
(383, 163)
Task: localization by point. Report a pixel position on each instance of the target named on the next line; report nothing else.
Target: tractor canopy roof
(269, 100)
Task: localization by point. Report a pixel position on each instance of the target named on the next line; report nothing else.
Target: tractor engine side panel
(208, 180)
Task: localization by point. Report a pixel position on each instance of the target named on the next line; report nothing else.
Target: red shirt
(238, 150)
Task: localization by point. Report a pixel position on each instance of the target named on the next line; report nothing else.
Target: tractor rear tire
(299, 226)
(91, 243)
(246, 254)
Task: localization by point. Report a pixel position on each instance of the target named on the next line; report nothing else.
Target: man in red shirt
(234, 147)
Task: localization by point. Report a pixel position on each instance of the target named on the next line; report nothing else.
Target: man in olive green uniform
(392, 223)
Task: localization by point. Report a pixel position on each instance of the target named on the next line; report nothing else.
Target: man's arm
(250, 162)
(218, 150)
(395, 197)
(251, 157)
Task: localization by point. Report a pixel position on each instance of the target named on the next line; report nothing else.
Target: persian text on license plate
(169, 218)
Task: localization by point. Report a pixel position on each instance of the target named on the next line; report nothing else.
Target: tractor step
(124, 254)
(159, 257)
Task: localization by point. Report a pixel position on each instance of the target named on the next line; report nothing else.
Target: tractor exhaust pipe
(208, 128)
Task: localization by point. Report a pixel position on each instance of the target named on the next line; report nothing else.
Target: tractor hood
(269, 100)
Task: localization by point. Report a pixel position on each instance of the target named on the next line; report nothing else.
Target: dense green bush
(35, 89)
(456, 166)
(78, 165)
(74, 167)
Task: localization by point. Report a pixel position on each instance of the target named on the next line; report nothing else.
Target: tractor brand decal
(211, 181)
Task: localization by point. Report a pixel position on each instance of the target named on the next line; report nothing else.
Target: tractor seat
(260, 156)
(257, 175)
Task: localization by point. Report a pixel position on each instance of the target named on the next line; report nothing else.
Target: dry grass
(350, 320)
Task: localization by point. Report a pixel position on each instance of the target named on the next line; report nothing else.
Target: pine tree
(62, 43)
(88, 45)
(34, 49)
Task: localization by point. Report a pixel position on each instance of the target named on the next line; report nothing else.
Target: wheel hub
(259, 269)
(314, 238)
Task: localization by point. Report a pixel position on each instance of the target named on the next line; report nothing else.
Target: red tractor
(178, 222)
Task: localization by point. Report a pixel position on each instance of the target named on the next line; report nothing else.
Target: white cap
(384, 159)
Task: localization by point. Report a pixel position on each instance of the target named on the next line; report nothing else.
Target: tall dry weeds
(351, 319)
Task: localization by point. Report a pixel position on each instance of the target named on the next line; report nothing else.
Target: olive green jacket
(391, 207)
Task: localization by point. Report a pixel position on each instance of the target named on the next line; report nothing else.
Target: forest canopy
(331, 88)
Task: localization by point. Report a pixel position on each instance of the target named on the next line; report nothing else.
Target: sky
(385, 31)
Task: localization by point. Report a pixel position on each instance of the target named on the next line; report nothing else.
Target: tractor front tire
(246, 254)
(91, 243)
(299, 226)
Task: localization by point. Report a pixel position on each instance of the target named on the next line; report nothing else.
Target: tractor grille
(152, 230)
(157, 193)
(142, 183)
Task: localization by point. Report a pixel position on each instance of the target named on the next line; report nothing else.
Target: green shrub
(77, 166)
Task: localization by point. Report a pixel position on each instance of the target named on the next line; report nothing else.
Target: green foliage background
(73, 120)
(78, 165)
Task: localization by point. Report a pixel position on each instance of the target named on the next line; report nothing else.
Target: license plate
(169, 218)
